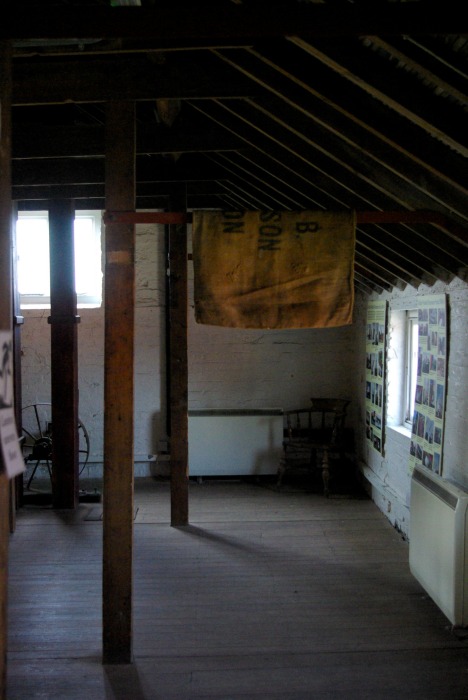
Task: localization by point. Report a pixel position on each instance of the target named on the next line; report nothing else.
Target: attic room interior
(214, 217)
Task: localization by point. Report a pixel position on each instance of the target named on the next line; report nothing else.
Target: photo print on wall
(427, 431)
(376, 334)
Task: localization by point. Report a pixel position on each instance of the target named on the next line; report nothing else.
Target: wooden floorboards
(266, 594)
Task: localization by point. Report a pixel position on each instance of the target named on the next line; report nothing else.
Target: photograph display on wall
(376, 331)
(427, 431)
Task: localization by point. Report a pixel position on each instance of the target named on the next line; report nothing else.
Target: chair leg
(325, 472)
(281, 470)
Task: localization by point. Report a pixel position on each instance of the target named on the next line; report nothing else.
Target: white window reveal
(33, 266)
(402, 368)
(411, 368)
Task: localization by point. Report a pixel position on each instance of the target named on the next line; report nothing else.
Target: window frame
(42, 301)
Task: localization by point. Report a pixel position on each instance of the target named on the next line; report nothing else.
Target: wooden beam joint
(64, 320)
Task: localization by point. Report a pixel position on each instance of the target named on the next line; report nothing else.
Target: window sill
(401, 430)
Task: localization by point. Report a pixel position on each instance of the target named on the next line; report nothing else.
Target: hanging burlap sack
(255, 269)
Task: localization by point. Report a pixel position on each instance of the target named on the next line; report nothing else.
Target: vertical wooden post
(64, 355)
(118, 387)
(167, 329)
(5, 324)
(178, 366)
(18, 321)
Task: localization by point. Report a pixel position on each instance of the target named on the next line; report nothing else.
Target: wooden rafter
(341, 119)
(168, 21)
(379, 87)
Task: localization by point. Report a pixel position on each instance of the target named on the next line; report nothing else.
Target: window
(402, 367)
(411, 368)
(33, 267)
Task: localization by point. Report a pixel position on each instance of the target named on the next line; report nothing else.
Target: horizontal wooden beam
(94, 80)
(85, 171)
(39, 193)
(33, 141)
(179, 21)
(147, 217)
(363, 217)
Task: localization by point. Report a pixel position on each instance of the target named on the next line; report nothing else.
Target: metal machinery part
(36, 440)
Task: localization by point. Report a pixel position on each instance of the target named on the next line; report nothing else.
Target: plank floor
(266, 595)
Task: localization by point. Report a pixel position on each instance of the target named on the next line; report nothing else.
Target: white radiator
(234, 442)
(438, 548)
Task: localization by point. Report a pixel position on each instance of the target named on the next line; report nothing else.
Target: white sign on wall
(12, 458)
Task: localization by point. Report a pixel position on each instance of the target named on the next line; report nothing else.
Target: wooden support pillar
(178, 365)
(118, 387)
(5, 324)
(18, 320)
(64, 355)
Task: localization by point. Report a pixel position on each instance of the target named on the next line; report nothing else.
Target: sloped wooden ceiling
(258, 105)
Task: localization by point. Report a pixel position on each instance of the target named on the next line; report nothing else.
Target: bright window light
(33, 266)
(402, 368)
(411, 370)
(32, 244)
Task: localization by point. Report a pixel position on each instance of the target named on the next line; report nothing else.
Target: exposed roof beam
(366, 285)
(250, 198)
(88, 80)
(444, 78)
(343, 123)
(419, 246)
(261, 179)
(304, 172)
(178, 21)
(27, 48)
(38, 193)
(390, 92)
(373, 273)
(271, 155)
(40, 141)
(84, 171)
(340, 167)
(355, 158)
(381, 246)
(387, 130)
(336, 176)
(395, 258)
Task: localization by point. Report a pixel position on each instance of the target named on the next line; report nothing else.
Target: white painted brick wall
(228, 368)
(388, 476)
(253, 369)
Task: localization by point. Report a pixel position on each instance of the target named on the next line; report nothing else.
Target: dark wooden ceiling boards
(254, 104)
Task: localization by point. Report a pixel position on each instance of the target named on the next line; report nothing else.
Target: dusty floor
(267, 594)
